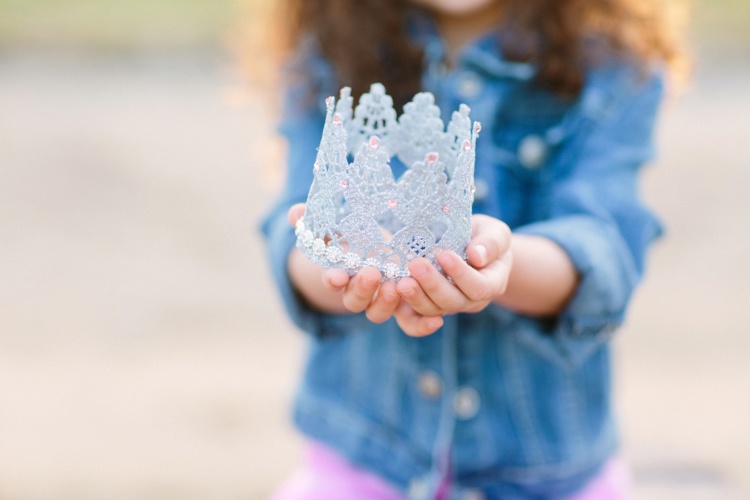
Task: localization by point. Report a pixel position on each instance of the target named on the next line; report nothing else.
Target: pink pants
(325, 475)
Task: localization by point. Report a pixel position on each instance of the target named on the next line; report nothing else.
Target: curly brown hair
(553, 32)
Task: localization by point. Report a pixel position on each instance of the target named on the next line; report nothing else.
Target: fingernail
(446, 259)
(482, 252)
(435, 324)
(408, 292)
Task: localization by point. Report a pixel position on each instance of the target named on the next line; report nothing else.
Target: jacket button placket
(468, 86)
(532, 151)
(430, 385)
(466, 403)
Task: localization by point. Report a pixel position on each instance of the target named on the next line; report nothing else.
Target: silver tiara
(358, 215)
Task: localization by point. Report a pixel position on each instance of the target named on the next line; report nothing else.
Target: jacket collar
(482, 55)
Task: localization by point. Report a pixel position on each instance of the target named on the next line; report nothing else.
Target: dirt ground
(144, 354)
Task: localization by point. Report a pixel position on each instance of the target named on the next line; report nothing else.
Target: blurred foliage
(164, 24)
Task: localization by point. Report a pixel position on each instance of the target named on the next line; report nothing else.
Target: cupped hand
(474, 284)
(360, 292)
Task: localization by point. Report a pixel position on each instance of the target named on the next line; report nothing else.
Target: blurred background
(143, 351)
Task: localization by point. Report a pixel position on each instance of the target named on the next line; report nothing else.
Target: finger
(499, 271)
(436, 288)
(490, 239)
(415, 324)
(361, 289)
(384, 304)
(295, 212)
(411, 292)
(471, 282)
(335, 279)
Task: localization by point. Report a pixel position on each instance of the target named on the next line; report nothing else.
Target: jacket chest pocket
(528, 130)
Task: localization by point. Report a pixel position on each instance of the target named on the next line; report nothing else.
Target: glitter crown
(359, 215)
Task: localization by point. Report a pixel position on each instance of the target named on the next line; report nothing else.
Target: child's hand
(341, 293)
(364, 292)
(427, 295)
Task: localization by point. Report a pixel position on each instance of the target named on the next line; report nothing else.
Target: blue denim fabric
(518, 407)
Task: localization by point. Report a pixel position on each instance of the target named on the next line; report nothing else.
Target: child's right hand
(334, 291)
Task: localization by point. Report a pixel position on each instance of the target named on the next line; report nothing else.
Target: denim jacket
(503, 405)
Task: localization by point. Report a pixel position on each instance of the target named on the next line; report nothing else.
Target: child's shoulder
(615, 82)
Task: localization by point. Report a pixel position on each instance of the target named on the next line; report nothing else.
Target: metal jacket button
(532, 151)
(468, 86)
(466, 403)
(430, 385)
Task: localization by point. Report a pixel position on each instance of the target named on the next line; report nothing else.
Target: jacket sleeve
(302, 127)
(596, 215)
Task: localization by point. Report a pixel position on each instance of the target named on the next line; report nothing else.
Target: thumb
(490, 240)
(295, 213)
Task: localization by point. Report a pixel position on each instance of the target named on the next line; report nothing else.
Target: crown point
(374, 142)
(329, 100)
(464, 110)
(316, 166)
(431, 157)
(473, 189)
(377, 92)
(477, 127)
(337, 120)
(344, 184)
(392, 203)
(446, 208)
(345, 92)
(467, 145)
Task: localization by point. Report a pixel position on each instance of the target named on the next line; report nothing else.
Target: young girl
(495, 384)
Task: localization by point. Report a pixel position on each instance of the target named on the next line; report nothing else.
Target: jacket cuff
(608, 277)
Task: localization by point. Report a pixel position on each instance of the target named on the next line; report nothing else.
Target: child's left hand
(427, 295)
